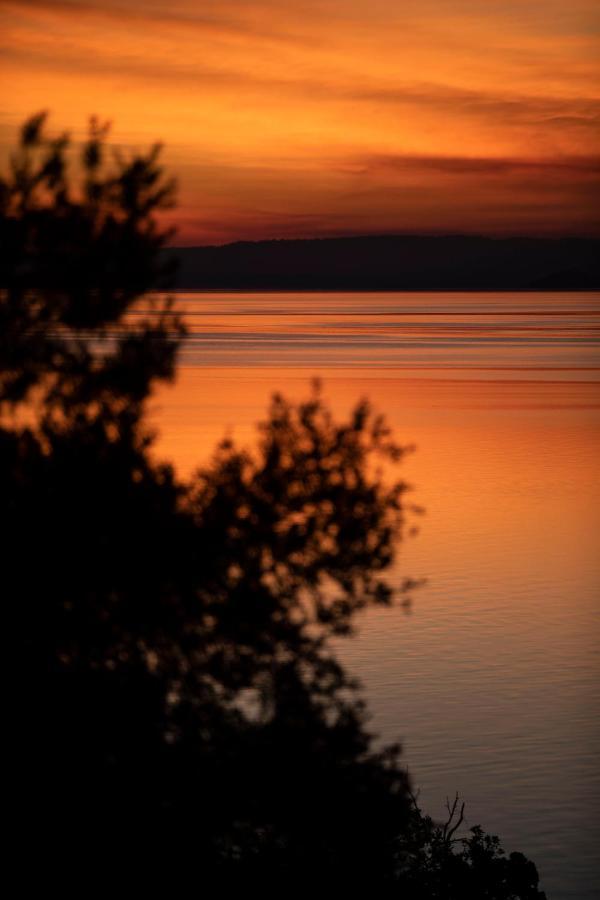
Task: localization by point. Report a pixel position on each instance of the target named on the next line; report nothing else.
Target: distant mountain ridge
(394, 263)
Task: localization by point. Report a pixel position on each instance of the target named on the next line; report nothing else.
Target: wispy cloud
(468, 165)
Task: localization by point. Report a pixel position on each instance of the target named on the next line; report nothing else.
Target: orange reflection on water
(503, 468)
(506, 470)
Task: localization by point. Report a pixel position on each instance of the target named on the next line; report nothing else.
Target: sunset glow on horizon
(330, 117)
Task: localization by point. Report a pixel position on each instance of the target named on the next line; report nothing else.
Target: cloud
(208, 19)
(467, 165)
(506, 105)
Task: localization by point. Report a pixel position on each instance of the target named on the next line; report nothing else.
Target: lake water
(491, 681)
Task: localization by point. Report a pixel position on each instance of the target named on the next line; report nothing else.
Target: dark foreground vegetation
(175, 705)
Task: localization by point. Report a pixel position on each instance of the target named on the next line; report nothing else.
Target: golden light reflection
(506, 472)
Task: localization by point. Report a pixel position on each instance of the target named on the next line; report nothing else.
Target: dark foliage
(175, 702)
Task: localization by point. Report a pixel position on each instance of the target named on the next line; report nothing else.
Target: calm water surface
(491, 682)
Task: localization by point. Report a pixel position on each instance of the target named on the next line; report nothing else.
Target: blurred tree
(175, 697)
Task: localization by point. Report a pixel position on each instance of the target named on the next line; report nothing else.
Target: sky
(283, 118)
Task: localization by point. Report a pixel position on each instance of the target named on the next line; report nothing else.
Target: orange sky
(288, 118)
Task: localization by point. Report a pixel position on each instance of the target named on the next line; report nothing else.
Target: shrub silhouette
(176, 700)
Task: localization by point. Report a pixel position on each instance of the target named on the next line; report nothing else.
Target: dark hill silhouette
(408, 262)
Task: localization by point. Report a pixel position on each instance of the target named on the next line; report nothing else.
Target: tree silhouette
(175, 695)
